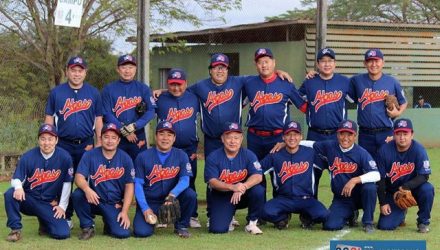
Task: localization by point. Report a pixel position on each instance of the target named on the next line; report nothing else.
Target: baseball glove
(169, 212)
(404, 198)
(391, 100)
(128, 129)
(141, 108)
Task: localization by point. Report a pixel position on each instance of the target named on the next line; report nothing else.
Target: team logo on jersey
(40, 176)
(426, 165)
(176, 115)
(70, 171)
(215, 99)
(257, 165)
(104, 174)
(398, 170)
(188, 168)
(290, 169)
(233, 177)
(71, 106)
(322, 98)
(159, 173)
(132, 173)
(262, 99)
(369, 96)
(340, 167)
(123, 103)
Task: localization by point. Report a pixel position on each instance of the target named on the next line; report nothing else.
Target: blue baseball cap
(373, 54)
(348, 126)
(48, 129)
(262, 52)
(77, 61)
(292, 126)
(326, 52)
(126, 59)
(176, 75)
(219, 59)
(403, 124)
(232, 127)
(165, 125)
(110, 127)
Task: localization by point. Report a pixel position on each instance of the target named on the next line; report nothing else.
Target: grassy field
(292, 238)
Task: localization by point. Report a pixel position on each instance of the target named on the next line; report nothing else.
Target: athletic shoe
(235, 222)
(252, 228)
(87, 233)
(422, 228)
(231, 227)
(194, 222)
(306, 221)
(182, 232)
(207, 222)
(368, 228)
(353, 220)
(14, 235)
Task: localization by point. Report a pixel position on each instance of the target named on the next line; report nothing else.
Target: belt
(77, 141)
(374, 130)
(265, 133)
(323, 131)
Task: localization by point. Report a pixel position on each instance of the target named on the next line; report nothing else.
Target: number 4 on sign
(68, 13)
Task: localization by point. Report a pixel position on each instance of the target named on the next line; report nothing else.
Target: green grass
(292, 238)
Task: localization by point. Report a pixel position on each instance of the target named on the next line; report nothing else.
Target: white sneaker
(207, 222)
(252, 228)
(231, 227)
(70, 223)
(235, 222)
(161, 225)
(194, 222)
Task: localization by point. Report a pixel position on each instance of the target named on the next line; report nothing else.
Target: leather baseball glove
(169, 212)
(141, 108)
(128, 129)
(391, 100)
(404, 198)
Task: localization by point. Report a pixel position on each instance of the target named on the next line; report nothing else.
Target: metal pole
(321, 25)
(143, 52)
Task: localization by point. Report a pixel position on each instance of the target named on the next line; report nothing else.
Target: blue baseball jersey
(43, 179)
(398, 168)
(119, 102)
(325, 101)
(107, 177)
(75, 110)
(160, 179)
(370, 95)
(293, 173)
(182, 112)
(343, 166)
(231, 171)
(219, 103)
(270, 102)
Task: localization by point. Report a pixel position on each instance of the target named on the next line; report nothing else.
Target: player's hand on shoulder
(277, 147)
(389, 138)
(311, 74)
(19, 194)
(88, 147)
(157, 93)
(59, 212)
(284, 75)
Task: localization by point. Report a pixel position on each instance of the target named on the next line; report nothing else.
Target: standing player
(105, 179)
(75, 108)
(162, 174)
(368, 90)
(270, 99)
(233, 174)
(41, 187)
(353, 175)
(404, 164)
(181, 107)
(293, 181)
(128, 104)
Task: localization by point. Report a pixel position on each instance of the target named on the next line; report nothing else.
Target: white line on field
(338, 236)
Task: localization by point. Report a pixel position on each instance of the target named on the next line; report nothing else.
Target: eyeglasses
(220, 68)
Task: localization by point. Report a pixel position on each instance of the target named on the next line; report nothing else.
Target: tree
(406, 11)
(47, 47)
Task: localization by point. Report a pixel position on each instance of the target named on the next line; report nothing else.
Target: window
(163, 75)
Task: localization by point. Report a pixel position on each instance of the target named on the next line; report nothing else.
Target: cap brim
(48, 132)
(346, 130)
(233, 130)
(219, 63)
(374, 57)
(77, 64)
(178, 81)
(292, 129)
(126, 62)
(110, 129)
(163, 129)
(402, 130)
(263, 55)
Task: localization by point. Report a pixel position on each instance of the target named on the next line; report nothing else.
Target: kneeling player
(293, 181)
(162, 175)
(42, 174)
(404, 164)
(232, 173)
(105, 179)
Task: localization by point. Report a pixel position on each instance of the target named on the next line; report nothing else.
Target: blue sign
(378, 245)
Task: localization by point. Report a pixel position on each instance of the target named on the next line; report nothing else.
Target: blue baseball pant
(372, 141)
